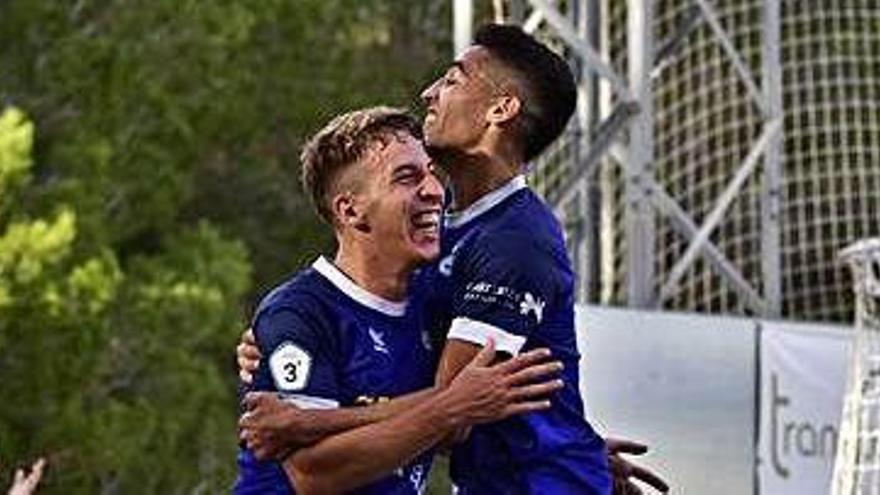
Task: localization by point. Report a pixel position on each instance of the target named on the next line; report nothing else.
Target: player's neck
(370, 269)
(476, 175)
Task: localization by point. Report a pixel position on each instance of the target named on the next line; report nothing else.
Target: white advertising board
(722, 412)
(684, 384)
(803, 378)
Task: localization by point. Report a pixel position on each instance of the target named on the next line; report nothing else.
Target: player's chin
(425, 244)
(432, 133)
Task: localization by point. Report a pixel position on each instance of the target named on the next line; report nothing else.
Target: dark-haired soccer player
(348, 331)
(504, 273)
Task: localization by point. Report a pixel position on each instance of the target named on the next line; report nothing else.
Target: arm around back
(481, 393)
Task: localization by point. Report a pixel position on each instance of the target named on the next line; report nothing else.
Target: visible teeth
(427, 219)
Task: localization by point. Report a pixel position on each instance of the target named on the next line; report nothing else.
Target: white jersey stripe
(456, 219)
(355, 291)
(477, 332)
(310, 402)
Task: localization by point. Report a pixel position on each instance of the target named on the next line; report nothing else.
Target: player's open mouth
(426, 222)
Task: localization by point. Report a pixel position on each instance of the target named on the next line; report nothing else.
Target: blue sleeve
(502, 285)
(299, 359)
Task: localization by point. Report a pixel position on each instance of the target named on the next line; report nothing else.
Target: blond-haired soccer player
(347, 331)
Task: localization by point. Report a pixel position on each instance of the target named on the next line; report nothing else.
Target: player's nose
(429, 94)
(431, 190)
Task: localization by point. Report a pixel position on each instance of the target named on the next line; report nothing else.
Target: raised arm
(26, 483)
(481, 393)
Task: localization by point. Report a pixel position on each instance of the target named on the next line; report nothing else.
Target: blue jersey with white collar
(329, 343)
(504, 273)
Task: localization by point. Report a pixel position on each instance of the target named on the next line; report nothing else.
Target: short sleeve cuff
(477, 332)
(310, 402)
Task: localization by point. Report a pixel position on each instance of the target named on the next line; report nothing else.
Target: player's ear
(350, 212)
(504, 109)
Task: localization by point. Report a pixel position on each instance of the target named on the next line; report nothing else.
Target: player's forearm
(456, 355)
(360, 456)
(398, 405)
(305, 427)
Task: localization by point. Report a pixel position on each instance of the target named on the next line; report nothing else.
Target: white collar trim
(355, 291)
(486, 203)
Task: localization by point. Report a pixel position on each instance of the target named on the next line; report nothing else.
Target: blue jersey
(329, 343)
(504, 273)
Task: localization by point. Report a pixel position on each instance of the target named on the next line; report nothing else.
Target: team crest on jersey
(290, 366)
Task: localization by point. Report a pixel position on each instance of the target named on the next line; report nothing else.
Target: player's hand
(25, 484)
(271, 427)
(624, 472)
(248, 356)
(484, 393)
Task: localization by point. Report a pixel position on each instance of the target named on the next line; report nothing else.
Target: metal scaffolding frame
(616, 119)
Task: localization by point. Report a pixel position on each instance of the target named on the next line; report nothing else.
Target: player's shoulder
(302, 292)
(300, 307)
(524, 224)
(528, 208)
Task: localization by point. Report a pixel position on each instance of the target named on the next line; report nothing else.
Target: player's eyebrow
(458, 64)
(404, 168)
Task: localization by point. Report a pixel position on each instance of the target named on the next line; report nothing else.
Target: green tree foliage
(112, 371)
(161, 111)
(147, 200)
